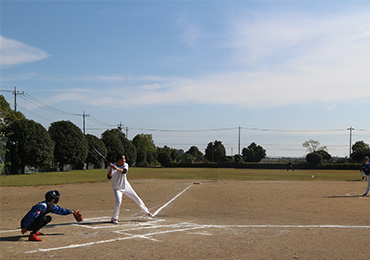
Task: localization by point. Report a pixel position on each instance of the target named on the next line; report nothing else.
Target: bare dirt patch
(211, 220)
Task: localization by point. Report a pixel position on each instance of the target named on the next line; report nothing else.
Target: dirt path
(210, 220)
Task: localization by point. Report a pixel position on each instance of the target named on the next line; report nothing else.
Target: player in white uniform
(120, 185)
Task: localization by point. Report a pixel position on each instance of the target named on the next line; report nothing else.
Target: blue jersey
(41, 209)
(366, 168)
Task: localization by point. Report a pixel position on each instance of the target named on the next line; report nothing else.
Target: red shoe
(33, 237)
(39, 233)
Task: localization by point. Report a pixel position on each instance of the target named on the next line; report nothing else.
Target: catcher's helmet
(53, 194)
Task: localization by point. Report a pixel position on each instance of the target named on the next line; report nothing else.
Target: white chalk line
(165, 205)
(356, 196)
(10, 231)
(87, 225)
(185, 226)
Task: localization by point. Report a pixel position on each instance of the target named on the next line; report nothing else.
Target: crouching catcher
(37, 217)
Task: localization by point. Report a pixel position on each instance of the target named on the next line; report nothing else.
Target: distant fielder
(120, 185)
(366, 169)
(363, 166)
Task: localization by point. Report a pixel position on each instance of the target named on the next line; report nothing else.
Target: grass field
(84, 176)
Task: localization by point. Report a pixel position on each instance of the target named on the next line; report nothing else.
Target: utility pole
(84, 116)
(126, 129)
(15, 93)
(120, 126)
(239, 142)
(350, 140)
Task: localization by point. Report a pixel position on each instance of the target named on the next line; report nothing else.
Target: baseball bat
(105, 159)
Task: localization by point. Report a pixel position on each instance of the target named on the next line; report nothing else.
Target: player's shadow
(19, 238)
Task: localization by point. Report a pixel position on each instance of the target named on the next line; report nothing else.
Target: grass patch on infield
(99, 175)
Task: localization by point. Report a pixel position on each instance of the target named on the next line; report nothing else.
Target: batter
(120, 185)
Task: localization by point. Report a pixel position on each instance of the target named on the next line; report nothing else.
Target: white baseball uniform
(120, 186)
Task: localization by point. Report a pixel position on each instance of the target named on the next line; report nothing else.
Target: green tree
(188, 158)
(30, 145)
(71, 146)
(253, 153)
(3, 150)
(175, 155)
(325, 155)
(360, 149)
(145, 144)
(130, 149)
(238, 158)
(164, 158)
(141, 160)
(92, 157)
(113, 143)
(313, 146)
(215, 151)
(198, 155)
(7, 114)
(314, 159)
(164, 155)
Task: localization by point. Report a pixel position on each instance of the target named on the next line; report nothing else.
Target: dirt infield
(210, 220)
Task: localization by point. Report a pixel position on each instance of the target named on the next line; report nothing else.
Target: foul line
(165, 205)
(186, 227)
(356, 196)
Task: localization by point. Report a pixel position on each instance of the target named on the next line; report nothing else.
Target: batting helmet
(53, 194)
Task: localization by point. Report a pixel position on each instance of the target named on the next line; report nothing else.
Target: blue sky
(192, 72)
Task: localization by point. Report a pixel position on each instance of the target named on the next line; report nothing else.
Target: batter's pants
(129, 192)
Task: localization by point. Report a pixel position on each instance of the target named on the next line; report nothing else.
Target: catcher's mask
(53, 194)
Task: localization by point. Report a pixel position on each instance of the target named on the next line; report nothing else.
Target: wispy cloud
(191, 31)
(310, 60)
(13, 52)
(283, 60)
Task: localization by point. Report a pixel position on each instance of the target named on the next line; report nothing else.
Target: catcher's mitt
(78, 215)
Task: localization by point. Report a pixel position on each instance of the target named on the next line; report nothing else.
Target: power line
(290, 131)
(94, 119)
(183, 130)
(47, 107)
(15, 93)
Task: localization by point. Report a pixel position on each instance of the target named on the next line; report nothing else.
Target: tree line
(29, 144)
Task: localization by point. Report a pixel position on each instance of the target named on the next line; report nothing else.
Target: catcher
(37, 217)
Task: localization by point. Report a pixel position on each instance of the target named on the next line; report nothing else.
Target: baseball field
(199, 214)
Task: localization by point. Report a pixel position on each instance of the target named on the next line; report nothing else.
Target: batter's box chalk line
(105, 223)
(155, 229)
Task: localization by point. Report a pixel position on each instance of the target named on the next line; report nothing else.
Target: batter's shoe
(365, 194)
(39, 233)
(114, 221)
(34, 237)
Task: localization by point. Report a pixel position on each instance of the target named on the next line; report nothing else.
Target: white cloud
(13, 52)
(293, 61)
(192, 32)
(284, 60)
